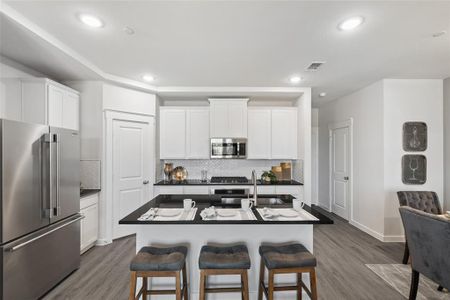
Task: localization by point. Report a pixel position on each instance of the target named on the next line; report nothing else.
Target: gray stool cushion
(289, 256)
(159, 259)
(234, 257)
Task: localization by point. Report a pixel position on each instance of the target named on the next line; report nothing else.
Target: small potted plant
(268, 177)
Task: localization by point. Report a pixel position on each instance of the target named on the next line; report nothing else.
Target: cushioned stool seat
(159, 259)
(292, 259)
(234, 257)
(230, 260)
(152, 262)
(289, 256)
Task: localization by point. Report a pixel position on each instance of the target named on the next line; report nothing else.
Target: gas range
(229, 179)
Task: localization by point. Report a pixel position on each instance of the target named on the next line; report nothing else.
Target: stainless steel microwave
(228, 148)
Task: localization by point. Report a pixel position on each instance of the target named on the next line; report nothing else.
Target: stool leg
(178, 285)
(132, 286)
(271, 279)
(202, 285)
(144, 288)
(261, 280)
(185, 283)
(244, 278)
(299, 286)
(312, 275)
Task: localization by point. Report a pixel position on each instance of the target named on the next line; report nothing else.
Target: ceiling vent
(314, 66)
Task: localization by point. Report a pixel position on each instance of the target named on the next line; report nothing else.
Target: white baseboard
(394, 238)
(367, 230)
(377, 235)
(103, 242)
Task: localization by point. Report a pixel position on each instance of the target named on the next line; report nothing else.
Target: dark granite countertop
(88, 192)
(204, 201)
(199, 182)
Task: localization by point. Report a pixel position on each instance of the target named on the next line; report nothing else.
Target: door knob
(146, 182)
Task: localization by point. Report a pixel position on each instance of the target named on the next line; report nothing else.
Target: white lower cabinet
(89, 225)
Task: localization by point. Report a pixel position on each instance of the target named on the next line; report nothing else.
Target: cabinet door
(219, 119)
(196, 189)
(284, 133)
(198, 133)
(259, 134)
(168, 190)
(55, 106)
(71, 111)
(237, 114)
(89, 226)
(172, 133)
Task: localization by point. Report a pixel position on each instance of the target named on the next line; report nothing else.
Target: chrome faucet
(255, 189)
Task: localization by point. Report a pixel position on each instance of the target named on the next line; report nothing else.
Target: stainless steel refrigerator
(40, 220)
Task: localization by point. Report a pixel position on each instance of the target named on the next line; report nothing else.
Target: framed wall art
(415, 136)
(414, 169)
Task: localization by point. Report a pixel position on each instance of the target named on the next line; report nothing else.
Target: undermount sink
(261, 201)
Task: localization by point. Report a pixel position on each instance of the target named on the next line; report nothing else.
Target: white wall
(447, 142)
(379, 112)
(410, 100)
(366, 109)
(126, 100)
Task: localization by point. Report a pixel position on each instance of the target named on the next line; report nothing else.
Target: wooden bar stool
(232, 260)
(293, 258)
(159, 262)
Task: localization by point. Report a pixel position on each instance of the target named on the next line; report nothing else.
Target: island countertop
(204, 201)
(249, 182)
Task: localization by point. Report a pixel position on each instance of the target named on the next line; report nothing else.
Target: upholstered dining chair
(428, 237)
(421, 200)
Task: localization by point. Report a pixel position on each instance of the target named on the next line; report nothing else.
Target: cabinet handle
(146, 182)
(346, 178)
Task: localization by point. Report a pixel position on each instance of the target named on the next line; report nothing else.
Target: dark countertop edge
(88, 192)
(198, 182)
(131, 219)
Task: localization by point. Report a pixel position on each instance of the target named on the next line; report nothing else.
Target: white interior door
(131, 157)
(340, 163)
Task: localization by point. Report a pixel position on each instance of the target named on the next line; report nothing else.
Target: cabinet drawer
(266, 190)
(168, 190)
(88, 201)
(198, 190)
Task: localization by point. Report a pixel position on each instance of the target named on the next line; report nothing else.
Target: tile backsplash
(228, 167)
(90, 174)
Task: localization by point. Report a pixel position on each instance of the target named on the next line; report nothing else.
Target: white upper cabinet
(228, 118)
(184, 133)
(198, 133)
(259, 133)
(284, 133)
(172, 135)
(272, 133)
(50, 103)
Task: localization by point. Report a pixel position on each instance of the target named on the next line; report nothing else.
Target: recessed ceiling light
(90, 20)
(351, 23)
(148, 78)
(323, 94)
(295, 79)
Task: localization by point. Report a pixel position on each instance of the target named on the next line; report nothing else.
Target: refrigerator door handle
(57, 161)
(17, 247)
(49, 211)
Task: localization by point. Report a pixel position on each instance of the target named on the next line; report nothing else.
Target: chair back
(421, 200)
(428, 238)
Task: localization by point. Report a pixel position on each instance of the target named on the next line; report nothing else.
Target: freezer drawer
(32, 265)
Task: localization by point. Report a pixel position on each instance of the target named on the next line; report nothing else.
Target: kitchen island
(197, 232)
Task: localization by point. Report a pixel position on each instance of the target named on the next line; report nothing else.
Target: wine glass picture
(415, 136)
(414, 169)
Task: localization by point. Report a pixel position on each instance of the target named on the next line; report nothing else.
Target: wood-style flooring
(341, 250)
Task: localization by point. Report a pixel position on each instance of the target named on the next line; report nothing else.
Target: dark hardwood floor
(342, 252)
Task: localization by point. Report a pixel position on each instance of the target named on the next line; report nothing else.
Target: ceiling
(238, 44)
